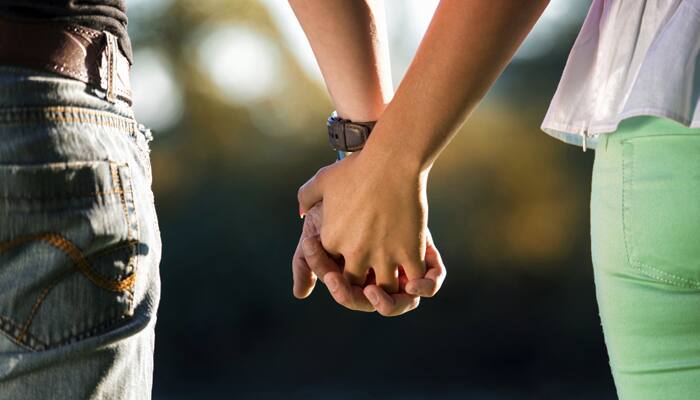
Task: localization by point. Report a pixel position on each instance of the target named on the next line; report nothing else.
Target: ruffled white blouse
(631, 58)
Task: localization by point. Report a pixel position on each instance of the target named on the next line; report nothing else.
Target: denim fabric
(79, 243)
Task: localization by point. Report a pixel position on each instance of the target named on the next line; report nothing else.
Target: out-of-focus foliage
(517, 315)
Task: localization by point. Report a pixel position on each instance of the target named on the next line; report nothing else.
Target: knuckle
(323, 171)
(342, 299)
(431, 291)
(382, 259)
(355, 253)
(328, 240)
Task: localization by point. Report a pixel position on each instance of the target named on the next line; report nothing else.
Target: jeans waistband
(26, 88)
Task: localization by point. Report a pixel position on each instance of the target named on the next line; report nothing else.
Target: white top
(631, 58)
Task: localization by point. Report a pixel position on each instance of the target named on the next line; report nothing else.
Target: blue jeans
(79, 243)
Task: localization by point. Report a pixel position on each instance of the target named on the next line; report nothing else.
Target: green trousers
(645, 241)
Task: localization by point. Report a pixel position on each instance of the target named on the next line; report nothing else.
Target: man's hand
(375, 216)
(311, 260)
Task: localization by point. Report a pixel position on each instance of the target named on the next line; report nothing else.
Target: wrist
(361, 112)
(394, 159)
(397, 152)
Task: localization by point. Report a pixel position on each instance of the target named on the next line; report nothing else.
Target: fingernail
(332, 284)
(308, 247)
(301, 213)
(411, 290)
(372, 297)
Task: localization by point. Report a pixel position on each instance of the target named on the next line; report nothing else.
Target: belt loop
(112, 49)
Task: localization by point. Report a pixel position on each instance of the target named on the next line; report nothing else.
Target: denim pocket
(69, 239)
(661, 207)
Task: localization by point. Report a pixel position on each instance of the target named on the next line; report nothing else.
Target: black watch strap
(346, 135)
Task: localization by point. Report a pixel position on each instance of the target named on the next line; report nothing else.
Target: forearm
(349, 41)
(464, 50)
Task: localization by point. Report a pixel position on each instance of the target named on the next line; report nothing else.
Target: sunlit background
(237, 104)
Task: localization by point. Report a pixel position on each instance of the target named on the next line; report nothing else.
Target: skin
(354, 59)
(374, 202)
(356, 69)
(312, 262)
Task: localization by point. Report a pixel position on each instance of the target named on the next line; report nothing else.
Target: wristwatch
(345, 135)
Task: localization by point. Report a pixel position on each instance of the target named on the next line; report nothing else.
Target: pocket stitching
(79, 260)
(26, 344)
(651, 271)
(35, 308)
(130, 270)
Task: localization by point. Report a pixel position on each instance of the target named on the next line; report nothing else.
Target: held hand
(390, 305)
(310, 260)
(375, 216)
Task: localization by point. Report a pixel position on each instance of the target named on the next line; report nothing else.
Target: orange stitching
(24, 330)
(9, 321)
(115, 175)
(114, 190)
(59, 118)
(83, 115)
(35, 308)
(67, 120)
(87, 332)
(134, 256)
(122, 198)
(77, 195)
(78, 258)
(112, 249)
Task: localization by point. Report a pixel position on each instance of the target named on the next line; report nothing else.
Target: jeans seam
(79, 115)
(35, 308)
(86, 333)
(114, 249)
(66, 114)
(76, 255)
(131, 237)
(653, 272)
(26, 344)
(70, 195)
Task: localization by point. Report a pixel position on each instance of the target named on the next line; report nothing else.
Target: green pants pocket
(661, 207)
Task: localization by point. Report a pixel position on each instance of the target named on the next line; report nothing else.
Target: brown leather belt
(69, 50)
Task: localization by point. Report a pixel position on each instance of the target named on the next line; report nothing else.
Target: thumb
(311, 192)
(316, 257)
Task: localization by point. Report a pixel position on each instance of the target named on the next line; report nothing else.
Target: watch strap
(346, 135)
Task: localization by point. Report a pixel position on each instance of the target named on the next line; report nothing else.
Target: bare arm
(464, 50)
(350, 44)
(374, 202)
(349, 40)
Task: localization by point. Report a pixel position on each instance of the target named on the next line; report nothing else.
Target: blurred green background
(238, 109)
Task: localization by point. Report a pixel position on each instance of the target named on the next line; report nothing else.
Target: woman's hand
(375, 215)
(311, 261)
